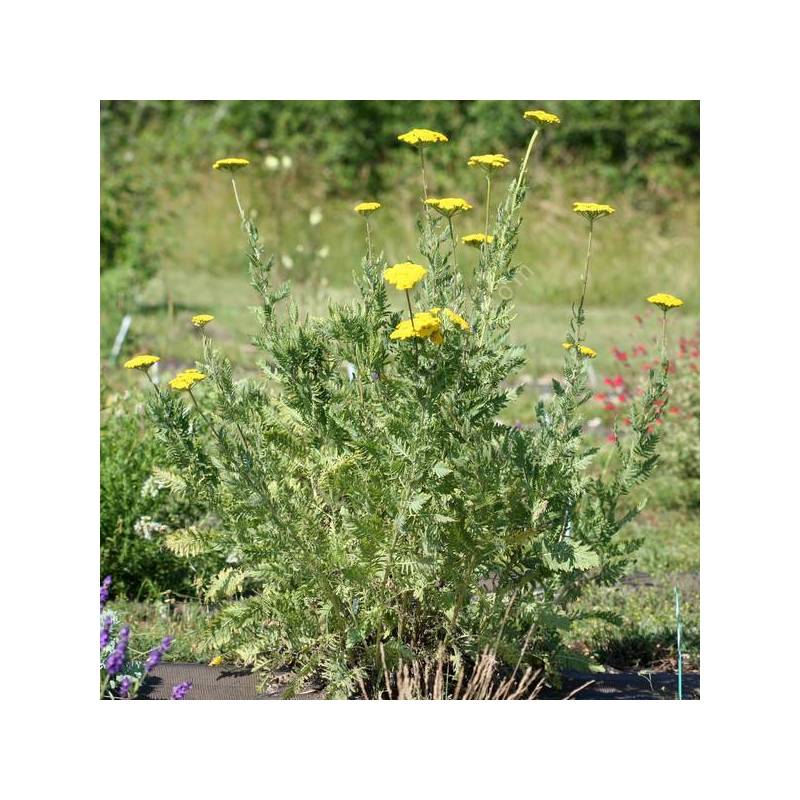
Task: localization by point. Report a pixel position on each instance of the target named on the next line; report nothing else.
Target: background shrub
(135, 510)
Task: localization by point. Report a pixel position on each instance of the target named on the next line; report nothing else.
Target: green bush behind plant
(352, 142)
(129, 453)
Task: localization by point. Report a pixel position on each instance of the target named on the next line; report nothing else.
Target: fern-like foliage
(385, 515)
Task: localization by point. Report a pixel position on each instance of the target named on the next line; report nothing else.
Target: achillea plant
(384, 517)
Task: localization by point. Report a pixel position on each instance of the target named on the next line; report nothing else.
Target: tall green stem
(413, 327)
(424, 179)
(369, 242)
(525, 161)
(236, 195)
(664, 338)
(200, 411)
(410, 311)
(678, 631)
(585, 278)
(453, 240)
(488, 199)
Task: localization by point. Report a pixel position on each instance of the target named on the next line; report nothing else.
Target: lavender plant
(121, 677)
(381, 515)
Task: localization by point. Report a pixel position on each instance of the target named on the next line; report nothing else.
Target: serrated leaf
(440, 469)
(417, 501)
(566, 556)
(226, 583)
(187, 542)
(584, 558)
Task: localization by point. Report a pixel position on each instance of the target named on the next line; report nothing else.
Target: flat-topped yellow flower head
(143, 361)
(489, 161)
(201, 320)
(366, 208)
(582, 349)
(230, 164)
(425, 324)
(592, 211)
(448, 206)
(665, 301)
(456, 319)
(422, 137)
(477, 239)
(542, 117)
(215, 662)
(184, 381)
(405, 275)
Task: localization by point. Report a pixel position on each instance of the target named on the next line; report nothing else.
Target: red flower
(620, 355)
(618, 380)
(638, 318)
(627, 421)
(674, 410)
(609, 406)
(600, 396)
(612, 437)
(622, 398)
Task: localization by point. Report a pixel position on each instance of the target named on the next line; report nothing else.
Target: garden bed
(215, 683)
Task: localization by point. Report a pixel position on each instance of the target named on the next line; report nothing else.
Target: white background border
(60, 60)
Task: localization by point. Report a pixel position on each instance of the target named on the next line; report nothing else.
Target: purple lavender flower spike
(155, 655)
(105, 589)
(180, 691)
(125, 687)
(117, 658)
(105, 632)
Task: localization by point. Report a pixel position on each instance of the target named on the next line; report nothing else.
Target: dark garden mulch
(218, 683)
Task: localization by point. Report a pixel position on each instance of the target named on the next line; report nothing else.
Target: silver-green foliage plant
(383, 514)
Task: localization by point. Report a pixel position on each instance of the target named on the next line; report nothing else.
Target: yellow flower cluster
(215, 662)
(425, 325)
(448, 206)
(184, 381)
(230, 164)
(405, 275)
(420, 137)
(201, 320)
(542, 116)
(456, 319)
(477, 239)
(143, 361)
(582, 349)
(428, 325)
(366, 208)
(489, 161)
(592, 210)
(665, 301)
